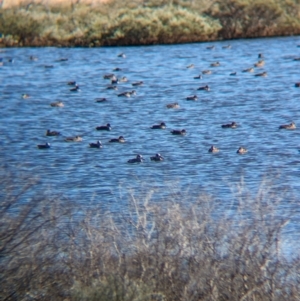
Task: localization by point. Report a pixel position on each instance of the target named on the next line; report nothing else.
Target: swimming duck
(210, 47)
(231, 125)
(106, 127)
(233, 74)
(74, 139)
(109, 76)
(71, 83)
(112, 88)
(98, 144)
(216, 64)
(138, 159)
(25, 96)
(117, 69)
(206, 72)
(127, 94)
(193, 97)
(226, 46)
(213, 149)
(43, 146)
(290, 126)
(121, 139)
(241, 150)
(101, 99)
(248, 70)
(190, 66)
(122, 55)
(75, 88)
(123, 79)
(198, 76)
(205, 88)
(140, 83)
(259, 64)
(297, 85)
(161, 126)
(33, 58)
(52, 133)
(57, 104)
(157, 157)
(179, 132)
(114, 81)
(263, 74)
(173, 105)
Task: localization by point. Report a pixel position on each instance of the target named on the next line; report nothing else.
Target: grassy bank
(175, 249)
(146, 22)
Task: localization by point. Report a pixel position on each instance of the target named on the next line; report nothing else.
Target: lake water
(258, 104)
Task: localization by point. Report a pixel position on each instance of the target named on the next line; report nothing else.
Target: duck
(178, 132)
(127, 94)
(290, 126)
(109, 76)
(297, 85)
(121, 139)
(123, 55)
(213, 149)
(114, 81)
(233, 74)
(59, 104)
(98, 144)
(173, 105)
(192, 97)
(190, 66)
(25, 96)
(210, 47)
(204, 88)
(241, 150)
(157, 157)
(33, 58)
(101, 99)
(161, 126)
(140, 83)
(75, 88)
(259, 64)
(248, 70)
(138, 159)
(226, 46)
(117, 69)
(112, 88)
(215, 64)
(52, 133)
(263, 74)
(198, 76)
(71, 83)
(123, 79)
(106, 127)
(231, 125)
(74, 139)
(206, 72)
(43, 146)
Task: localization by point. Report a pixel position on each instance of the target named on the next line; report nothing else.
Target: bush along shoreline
(145, 22)
(182, 248)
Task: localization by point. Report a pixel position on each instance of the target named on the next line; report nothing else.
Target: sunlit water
(258, 104)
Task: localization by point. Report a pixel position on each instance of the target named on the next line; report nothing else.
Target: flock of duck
(114, 81)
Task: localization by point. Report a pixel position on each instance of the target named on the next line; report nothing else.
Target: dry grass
(180, 248)
(143, 22)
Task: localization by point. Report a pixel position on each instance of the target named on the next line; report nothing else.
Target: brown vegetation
(176, 249)
(144, 22)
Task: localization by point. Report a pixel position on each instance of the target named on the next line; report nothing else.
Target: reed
(179, 248)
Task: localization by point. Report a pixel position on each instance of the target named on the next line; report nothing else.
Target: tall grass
(173, 249)
(146, 22)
